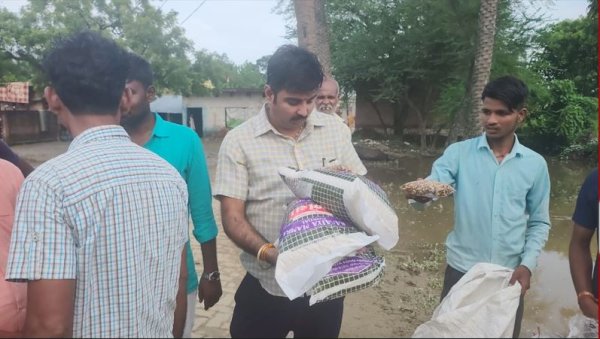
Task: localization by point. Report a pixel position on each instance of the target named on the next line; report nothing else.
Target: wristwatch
(212, 276)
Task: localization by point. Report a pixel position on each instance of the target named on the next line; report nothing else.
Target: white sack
(480, 305)
(310, 242)
(349, 197)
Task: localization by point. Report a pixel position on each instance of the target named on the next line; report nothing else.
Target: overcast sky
(246, 30)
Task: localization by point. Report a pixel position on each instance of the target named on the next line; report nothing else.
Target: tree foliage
(213, 72)
(417, 53)
(135, 24)
(569, 50)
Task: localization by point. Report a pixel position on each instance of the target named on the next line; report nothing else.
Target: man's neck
(501, 147)
(142, 132)
(81, 123)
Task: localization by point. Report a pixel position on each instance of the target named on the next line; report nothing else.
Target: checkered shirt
(113, 216)
(249, 158)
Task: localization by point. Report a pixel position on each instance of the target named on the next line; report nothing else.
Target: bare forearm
(244, 235)
(581, 266)
(50, 309)
(181, 300)
(209, 255)
(4, 334)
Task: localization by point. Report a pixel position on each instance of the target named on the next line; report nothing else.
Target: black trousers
(258, 314)
(452, 276)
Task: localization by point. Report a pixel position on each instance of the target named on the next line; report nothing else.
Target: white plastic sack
(310, 242)
(349, 197)
(480, 305)
(581, 326)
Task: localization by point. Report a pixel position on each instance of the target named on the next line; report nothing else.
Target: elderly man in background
(328, 98)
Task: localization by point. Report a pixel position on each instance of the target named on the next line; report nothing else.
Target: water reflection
(551, 300)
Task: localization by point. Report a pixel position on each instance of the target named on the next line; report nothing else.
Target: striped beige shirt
(249, 158)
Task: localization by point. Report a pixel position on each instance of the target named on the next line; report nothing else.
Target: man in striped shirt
(99, 231)
(285, 133)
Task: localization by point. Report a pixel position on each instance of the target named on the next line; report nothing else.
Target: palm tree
(465, 122)
(312, 30)
(483, 60)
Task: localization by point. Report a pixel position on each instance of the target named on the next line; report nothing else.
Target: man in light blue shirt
(180, 147)
(502, 192)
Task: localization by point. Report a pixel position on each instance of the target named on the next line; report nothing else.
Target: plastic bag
(349, 197)
(481, 305)
(581, 326)
(310, 242)
(348, 275)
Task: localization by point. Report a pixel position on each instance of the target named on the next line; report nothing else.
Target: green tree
(569, 50)
(136, 24)
(418, 54)
(404, 52)
(213, 72)
(565, 119)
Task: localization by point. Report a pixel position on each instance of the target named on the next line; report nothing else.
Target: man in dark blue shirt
(585, 224)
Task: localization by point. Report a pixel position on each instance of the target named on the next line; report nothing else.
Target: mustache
(326, 107)
(298, 118)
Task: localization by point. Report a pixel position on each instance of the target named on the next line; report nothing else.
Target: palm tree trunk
(483, 60)
(312, 30)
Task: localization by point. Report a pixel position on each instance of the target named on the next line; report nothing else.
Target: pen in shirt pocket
(328, 163)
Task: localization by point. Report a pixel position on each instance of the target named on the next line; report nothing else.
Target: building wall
(237, 106)
(29, 126)
(366, 115)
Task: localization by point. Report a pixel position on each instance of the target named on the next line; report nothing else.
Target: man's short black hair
(294, 69)
(140, 70)
(88, 73)
(508, 89)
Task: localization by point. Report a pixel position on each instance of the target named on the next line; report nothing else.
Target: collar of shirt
(517, 149)
(106, 132)
(160, 127)
(262, 124)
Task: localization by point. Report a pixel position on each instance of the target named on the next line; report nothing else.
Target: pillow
(348, 275)
(349, 197)
(310, 242)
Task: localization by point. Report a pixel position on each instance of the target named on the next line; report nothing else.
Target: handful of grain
(427, 188)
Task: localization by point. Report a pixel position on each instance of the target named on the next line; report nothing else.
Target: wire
(194, 11)
(161, 5)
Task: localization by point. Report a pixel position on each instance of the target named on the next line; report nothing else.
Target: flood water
(551, 300)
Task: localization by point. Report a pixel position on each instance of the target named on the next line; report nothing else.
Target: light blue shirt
(501, 209)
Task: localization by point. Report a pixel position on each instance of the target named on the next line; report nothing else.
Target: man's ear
(55, 105)
(125, 104)
(269, 94)
(522, 114)
(150, 93)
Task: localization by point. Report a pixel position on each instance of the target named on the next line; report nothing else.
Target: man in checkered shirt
(99, 231)
(286, 132)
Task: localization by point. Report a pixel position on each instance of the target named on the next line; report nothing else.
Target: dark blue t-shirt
(586, 212)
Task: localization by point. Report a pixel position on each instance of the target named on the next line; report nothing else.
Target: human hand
(418, 198)
(589, 306)
(209, 292)
(340, 168)
(522, 274)
(271, 255)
